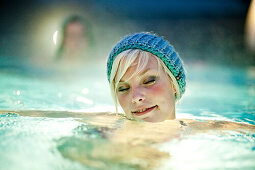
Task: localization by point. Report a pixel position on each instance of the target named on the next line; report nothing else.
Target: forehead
(151, 65)
(74, 26)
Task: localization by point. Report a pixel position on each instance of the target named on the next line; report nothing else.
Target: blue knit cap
(155, 45)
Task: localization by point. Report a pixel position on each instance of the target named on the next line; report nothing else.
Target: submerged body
(141, 130)
(105, 140)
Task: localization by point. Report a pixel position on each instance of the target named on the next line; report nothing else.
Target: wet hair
(125, 59)
(87, 32)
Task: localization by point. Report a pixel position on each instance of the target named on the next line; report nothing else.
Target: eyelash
(122, 90)
(151, 80)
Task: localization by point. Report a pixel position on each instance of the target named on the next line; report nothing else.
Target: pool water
(51, 120)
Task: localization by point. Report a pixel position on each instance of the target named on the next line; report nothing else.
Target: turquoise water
(29, 88)
(44, 134)
(220, 91)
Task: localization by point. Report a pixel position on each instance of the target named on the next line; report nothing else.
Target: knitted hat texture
(155, 45)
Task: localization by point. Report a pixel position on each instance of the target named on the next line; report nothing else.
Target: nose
(137, 95)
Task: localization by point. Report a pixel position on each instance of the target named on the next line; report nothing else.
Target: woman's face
(75, 38)
(148, 95)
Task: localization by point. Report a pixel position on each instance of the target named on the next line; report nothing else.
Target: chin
(150, 119)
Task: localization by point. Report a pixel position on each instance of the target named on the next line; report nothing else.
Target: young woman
(146, 76)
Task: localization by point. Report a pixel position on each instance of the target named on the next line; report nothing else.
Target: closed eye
(150, 80)
(123, 89)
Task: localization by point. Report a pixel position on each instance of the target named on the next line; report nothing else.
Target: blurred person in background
(75, 41)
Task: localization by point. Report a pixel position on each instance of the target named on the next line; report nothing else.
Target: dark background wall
(202, 31)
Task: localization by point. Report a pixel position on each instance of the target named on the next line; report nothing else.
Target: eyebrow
(142, 73)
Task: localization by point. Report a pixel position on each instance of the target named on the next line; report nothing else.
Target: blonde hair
(125, 59)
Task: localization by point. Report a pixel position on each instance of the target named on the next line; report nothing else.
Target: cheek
(162, 94)
(123, 100)
(158, 89)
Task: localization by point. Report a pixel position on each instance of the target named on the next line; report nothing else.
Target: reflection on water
(23, 89)
(108, 141)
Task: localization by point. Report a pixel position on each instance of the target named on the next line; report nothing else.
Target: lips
(144, 111)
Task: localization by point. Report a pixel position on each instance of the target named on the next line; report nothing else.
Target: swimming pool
(49, 121)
